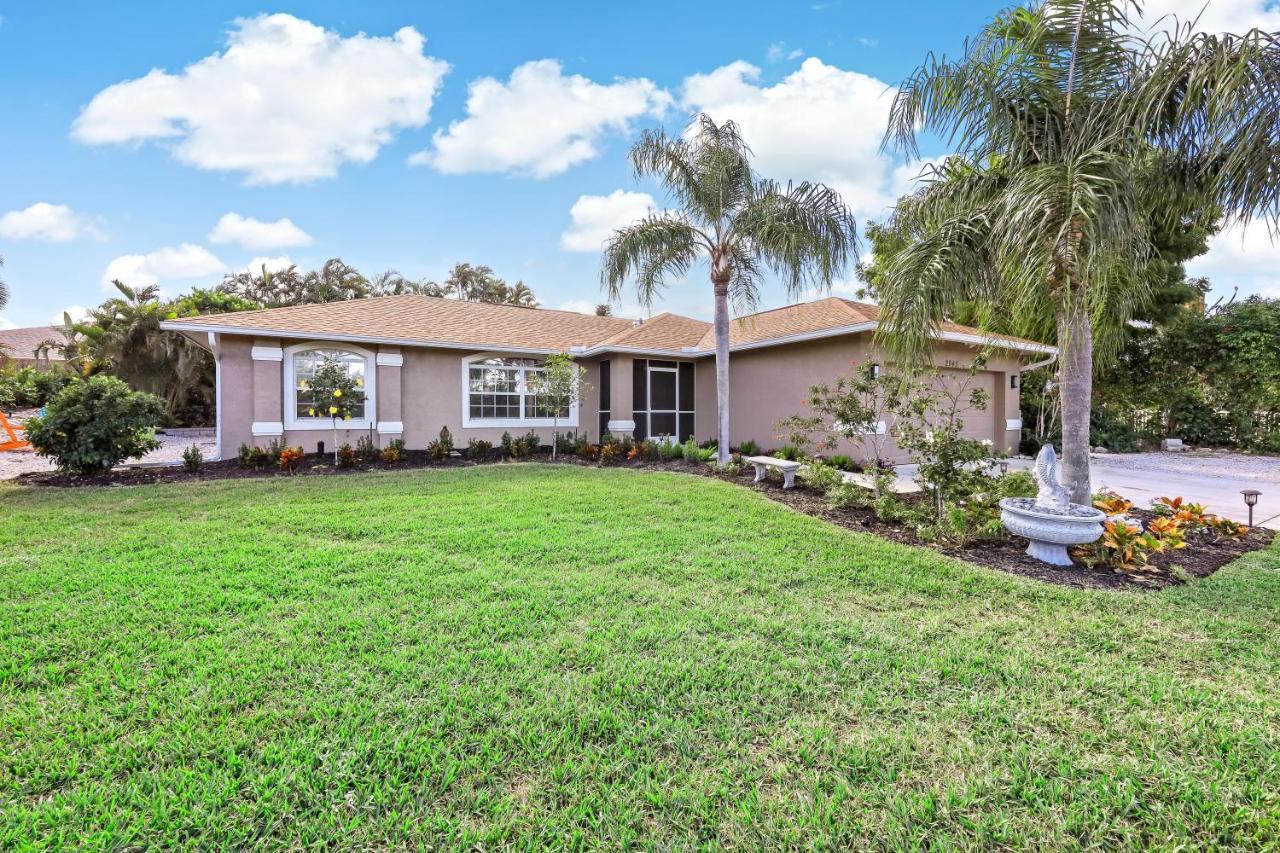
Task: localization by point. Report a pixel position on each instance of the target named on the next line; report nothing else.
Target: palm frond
(657, 247)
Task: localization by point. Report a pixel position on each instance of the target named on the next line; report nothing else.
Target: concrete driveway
(1213, 478)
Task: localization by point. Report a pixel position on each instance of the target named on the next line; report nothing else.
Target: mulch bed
(1203, 555)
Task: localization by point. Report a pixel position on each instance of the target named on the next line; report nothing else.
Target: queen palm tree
(4, 289)
(735, 221)
(1072, 135)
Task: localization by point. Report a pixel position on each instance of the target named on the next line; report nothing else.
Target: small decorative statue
(1051, 494)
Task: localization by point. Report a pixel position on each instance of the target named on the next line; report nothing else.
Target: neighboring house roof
(431, 321)
(22, 343)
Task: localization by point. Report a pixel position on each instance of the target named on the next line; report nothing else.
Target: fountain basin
(1050, 533)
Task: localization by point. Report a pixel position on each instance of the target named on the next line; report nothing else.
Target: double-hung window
(498, 392)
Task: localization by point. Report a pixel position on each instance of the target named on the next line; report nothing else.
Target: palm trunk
(722, 367)
(1075, 378)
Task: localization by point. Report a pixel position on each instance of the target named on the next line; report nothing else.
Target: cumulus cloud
(183, 262)
(287, 101)
(1244, 257)
(778, 52)
(595, 217)
(53, 223)
(819, 123)
(256, 234)
(280, 262)
(7, 324)
(77, 313)
(1212, 16)
(540, 122)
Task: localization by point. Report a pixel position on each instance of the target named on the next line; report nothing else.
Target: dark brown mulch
(1203, 555)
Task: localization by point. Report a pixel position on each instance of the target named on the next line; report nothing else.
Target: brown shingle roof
(431, 320)
(428, 320)
(22, 343)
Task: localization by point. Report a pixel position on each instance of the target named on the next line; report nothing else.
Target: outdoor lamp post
(1004, 466)
(1250, 500)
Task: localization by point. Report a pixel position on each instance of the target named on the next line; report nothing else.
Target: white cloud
(778, 52)
(1241, 256)
(1212, 16)
(820, 123)
(287, 101)
(54, 223)
(186, 261)
(280, 262)
(76, 312)
(7, 324)
(256, 234)
(626, 310)
(596, 217)
(539, 122)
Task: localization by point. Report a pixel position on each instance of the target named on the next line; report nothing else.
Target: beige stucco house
(425, 362)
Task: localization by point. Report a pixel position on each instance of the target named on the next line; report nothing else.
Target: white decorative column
(390, 362)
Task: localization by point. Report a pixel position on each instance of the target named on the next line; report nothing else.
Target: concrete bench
(787, 467)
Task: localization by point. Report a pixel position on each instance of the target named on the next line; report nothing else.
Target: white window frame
(291, 418)
(471, 423)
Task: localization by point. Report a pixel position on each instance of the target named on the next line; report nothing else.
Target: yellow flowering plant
(333, 390)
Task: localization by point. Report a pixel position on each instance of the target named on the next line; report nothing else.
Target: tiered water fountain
(1050, 520)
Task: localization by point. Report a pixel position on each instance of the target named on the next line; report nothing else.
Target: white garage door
(979, 424)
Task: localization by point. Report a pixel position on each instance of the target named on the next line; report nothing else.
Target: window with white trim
(497, 393)
(301, 363)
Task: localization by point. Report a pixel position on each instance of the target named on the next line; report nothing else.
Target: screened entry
(662, 396)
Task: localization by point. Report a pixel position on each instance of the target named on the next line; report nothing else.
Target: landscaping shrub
(440, 448)
(570, 442)
(289, 459)
(820, 476)
(478, 448)
(845, 463)
(365, 448)
(346, 456)
(394, 451)
(749, 448)
(91, 426)
(192, 459)
(29, 387)
(531, 443)
(1015, 484)
(850, 496)
(790, 452)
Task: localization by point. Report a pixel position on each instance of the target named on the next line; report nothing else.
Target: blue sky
(169, 142)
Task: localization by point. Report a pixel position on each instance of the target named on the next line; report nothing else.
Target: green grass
(536, 655)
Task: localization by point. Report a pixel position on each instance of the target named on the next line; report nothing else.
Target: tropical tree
(333, 393)
(738, 223)
(1070, 132)
(559, 386)
(4, 289)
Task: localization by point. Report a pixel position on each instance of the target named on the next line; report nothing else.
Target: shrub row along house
(421, 362)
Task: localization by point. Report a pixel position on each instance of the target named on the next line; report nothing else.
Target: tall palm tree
(4, 289)
(735, 221)
(1072, 135)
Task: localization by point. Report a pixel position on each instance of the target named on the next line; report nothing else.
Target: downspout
(1039, 364)
(217, 397)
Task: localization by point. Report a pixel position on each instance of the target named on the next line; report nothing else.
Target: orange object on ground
(14, 441)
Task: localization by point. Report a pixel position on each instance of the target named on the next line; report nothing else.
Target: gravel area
(16, 462)
(1196, 463)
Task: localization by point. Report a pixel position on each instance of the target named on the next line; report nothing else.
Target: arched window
(302, 361)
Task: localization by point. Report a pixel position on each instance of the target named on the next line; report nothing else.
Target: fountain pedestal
(1051, 533)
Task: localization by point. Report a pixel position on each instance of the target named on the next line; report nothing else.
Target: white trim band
(267, 429)
(390, 427)
(621, 426)
(1013, 423)
(390, 359)
(267, 353)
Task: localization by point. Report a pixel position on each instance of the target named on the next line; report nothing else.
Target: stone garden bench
(787, 467)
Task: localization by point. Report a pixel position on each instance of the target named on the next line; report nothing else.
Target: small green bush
(346, 456)
(789, 452)
(749, 448)
(91, 426)
(28, 387)
(820, 476)
(850, 496)
(365, 449)
(478, 448)
(192, 459)
(845, 463)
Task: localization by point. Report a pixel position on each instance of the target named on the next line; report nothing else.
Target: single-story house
(424, 363)
(21, 345)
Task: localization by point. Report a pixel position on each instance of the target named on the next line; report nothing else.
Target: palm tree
(4, 289)
(1072, 136)
(737, 222)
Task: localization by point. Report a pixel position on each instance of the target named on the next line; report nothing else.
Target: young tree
(333, 395)
(736, 222)
(559, 386)
(1070, 131)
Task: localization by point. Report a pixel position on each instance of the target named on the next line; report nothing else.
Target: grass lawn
(537, 655)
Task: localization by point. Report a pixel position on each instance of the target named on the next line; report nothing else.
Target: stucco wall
(771, 383)
(766, 385)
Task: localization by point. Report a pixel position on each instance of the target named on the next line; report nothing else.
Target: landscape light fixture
(1004, 466)
(1250, 500)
